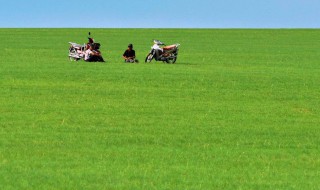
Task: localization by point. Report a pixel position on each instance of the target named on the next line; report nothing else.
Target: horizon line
(160, 28)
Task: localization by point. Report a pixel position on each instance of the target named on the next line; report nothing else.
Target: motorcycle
(160, 52)
(75, 51)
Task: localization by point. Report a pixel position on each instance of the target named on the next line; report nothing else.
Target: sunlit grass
(239, 110)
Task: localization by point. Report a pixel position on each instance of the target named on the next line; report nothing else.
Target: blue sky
(160, 14)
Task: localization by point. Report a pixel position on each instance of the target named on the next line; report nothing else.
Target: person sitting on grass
(93, 54)
(129, 55)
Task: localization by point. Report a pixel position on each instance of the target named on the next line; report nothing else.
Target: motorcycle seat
(169, 47)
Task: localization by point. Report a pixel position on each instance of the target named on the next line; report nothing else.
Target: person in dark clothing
(129, 55)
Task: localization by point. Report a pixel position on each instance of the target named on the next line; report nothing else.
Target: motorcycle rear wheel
(172, 61)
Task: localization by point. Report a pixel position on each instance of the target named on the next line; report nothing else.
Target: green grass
(239, 110)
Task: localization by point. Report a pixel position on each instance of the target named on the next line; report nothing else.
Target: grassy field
(239, 110)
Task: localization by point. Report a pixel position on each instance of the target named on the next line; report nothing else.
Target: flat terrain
(239, 110)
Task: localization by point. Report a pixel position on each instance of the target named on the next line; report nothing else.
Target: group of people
(93, 54)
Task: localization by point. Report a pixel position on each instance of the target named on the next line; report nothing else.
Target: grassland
(239, 110)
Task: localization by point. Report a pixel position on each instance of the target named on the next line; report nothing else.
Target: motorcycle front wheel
(148, 58)
(73, 58)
